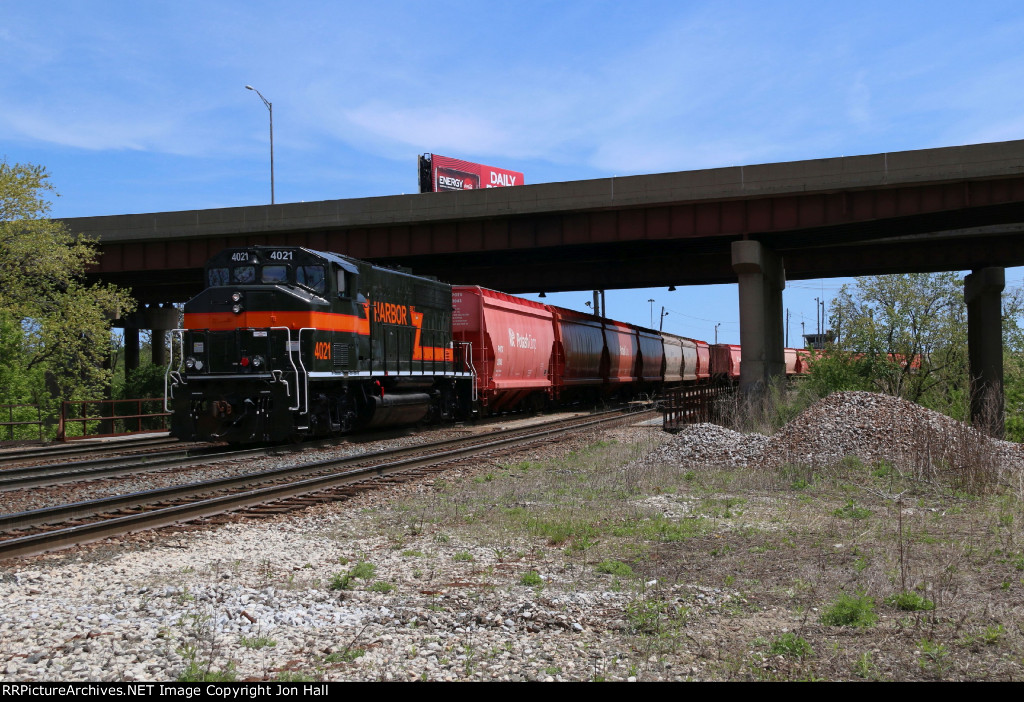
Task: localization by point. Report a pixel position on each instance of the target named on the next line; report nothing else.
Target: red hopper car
(513, 341)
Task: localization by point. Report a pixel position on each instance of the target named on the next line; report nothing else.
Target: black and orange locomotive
(286, 342)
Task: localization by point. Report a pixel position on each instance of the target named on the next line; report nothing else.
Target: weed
(617, 568)
(791, 645)
(933, 655)
(257, 642)
(653, 616)
(463, 557)
(361, 570)
(381, 586)
(294, 676)
(852, 511)
(865, 666)
(989, 637)
(531, 578)
(850, 611)
(410, 553)
(346, 656)
(195, 672)
(909, 602)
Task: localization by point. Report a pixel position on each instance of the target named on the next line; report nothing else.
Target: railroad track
(38, 531)
(59, 473)
(16, 456)
(20, 477)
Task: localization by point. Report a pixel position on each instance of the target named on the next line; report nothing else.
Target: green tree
(906, 335)
(54, 327)
(909, 332)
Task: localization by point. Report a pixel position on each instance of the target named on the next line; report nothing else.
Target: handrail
(468, 360)
(305, 373)
(180, 335)
(288, 350)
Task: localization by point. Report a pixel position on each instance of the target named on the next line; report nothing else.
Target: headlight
(236, 297)
(236, 308)
(257, 361)
(190, 363)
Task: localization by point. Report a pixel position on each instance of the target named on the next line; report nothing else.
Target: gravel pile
(870, 426)
(876, 427)
(710, 444)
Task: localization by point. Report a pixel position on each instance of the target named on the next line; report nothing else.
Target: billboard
(440, 174)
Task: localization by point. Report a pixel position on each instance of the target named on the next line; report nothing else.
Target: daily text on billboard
(441, 173)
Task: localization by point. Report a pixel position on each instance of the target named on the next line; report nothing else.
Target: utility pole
(651, 300)
(716, 331)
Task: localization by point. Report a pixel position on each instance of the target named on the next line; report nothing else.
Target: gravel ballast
(256, 597)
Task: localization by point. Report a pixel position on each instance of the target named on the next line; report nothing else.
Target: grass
(691, 564)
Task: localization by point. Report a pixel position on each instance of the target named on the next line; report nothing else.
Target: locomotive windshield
(311, 277)
(314, 271)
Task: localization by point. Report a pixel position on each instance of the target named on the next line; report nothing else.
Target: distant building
(818, 342)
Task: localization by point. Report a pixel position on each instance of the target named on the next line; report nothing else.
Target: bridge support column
(131, 348)
(160, 319)
(983, 293)
(761, 282)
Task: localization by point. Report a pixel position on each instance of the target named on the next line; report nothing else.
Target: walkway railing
(692, 404)
(80, 419)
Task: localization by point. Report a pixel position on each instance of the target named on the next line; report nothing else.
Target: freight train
(285, 342)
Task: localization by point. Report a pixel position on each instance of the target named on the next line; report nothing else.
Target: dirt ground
(849, 571)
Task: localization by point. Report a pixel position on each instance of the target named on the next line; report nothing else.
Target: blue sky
(140, 107)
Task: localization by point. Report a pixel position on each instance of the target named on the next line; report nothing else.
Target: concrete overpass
(950, 208)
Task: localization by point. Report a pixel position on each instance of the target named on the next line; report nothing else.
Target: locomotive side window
(274, 274)
(342, 289)
(311, 277)
(217, 277)
(243, 274)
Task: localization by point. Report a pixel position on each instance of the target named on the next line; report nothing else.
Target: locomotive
(286, 342)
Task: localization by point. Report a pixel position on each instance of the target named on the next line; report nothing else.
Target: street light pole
(652, 311)
(270, 108)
